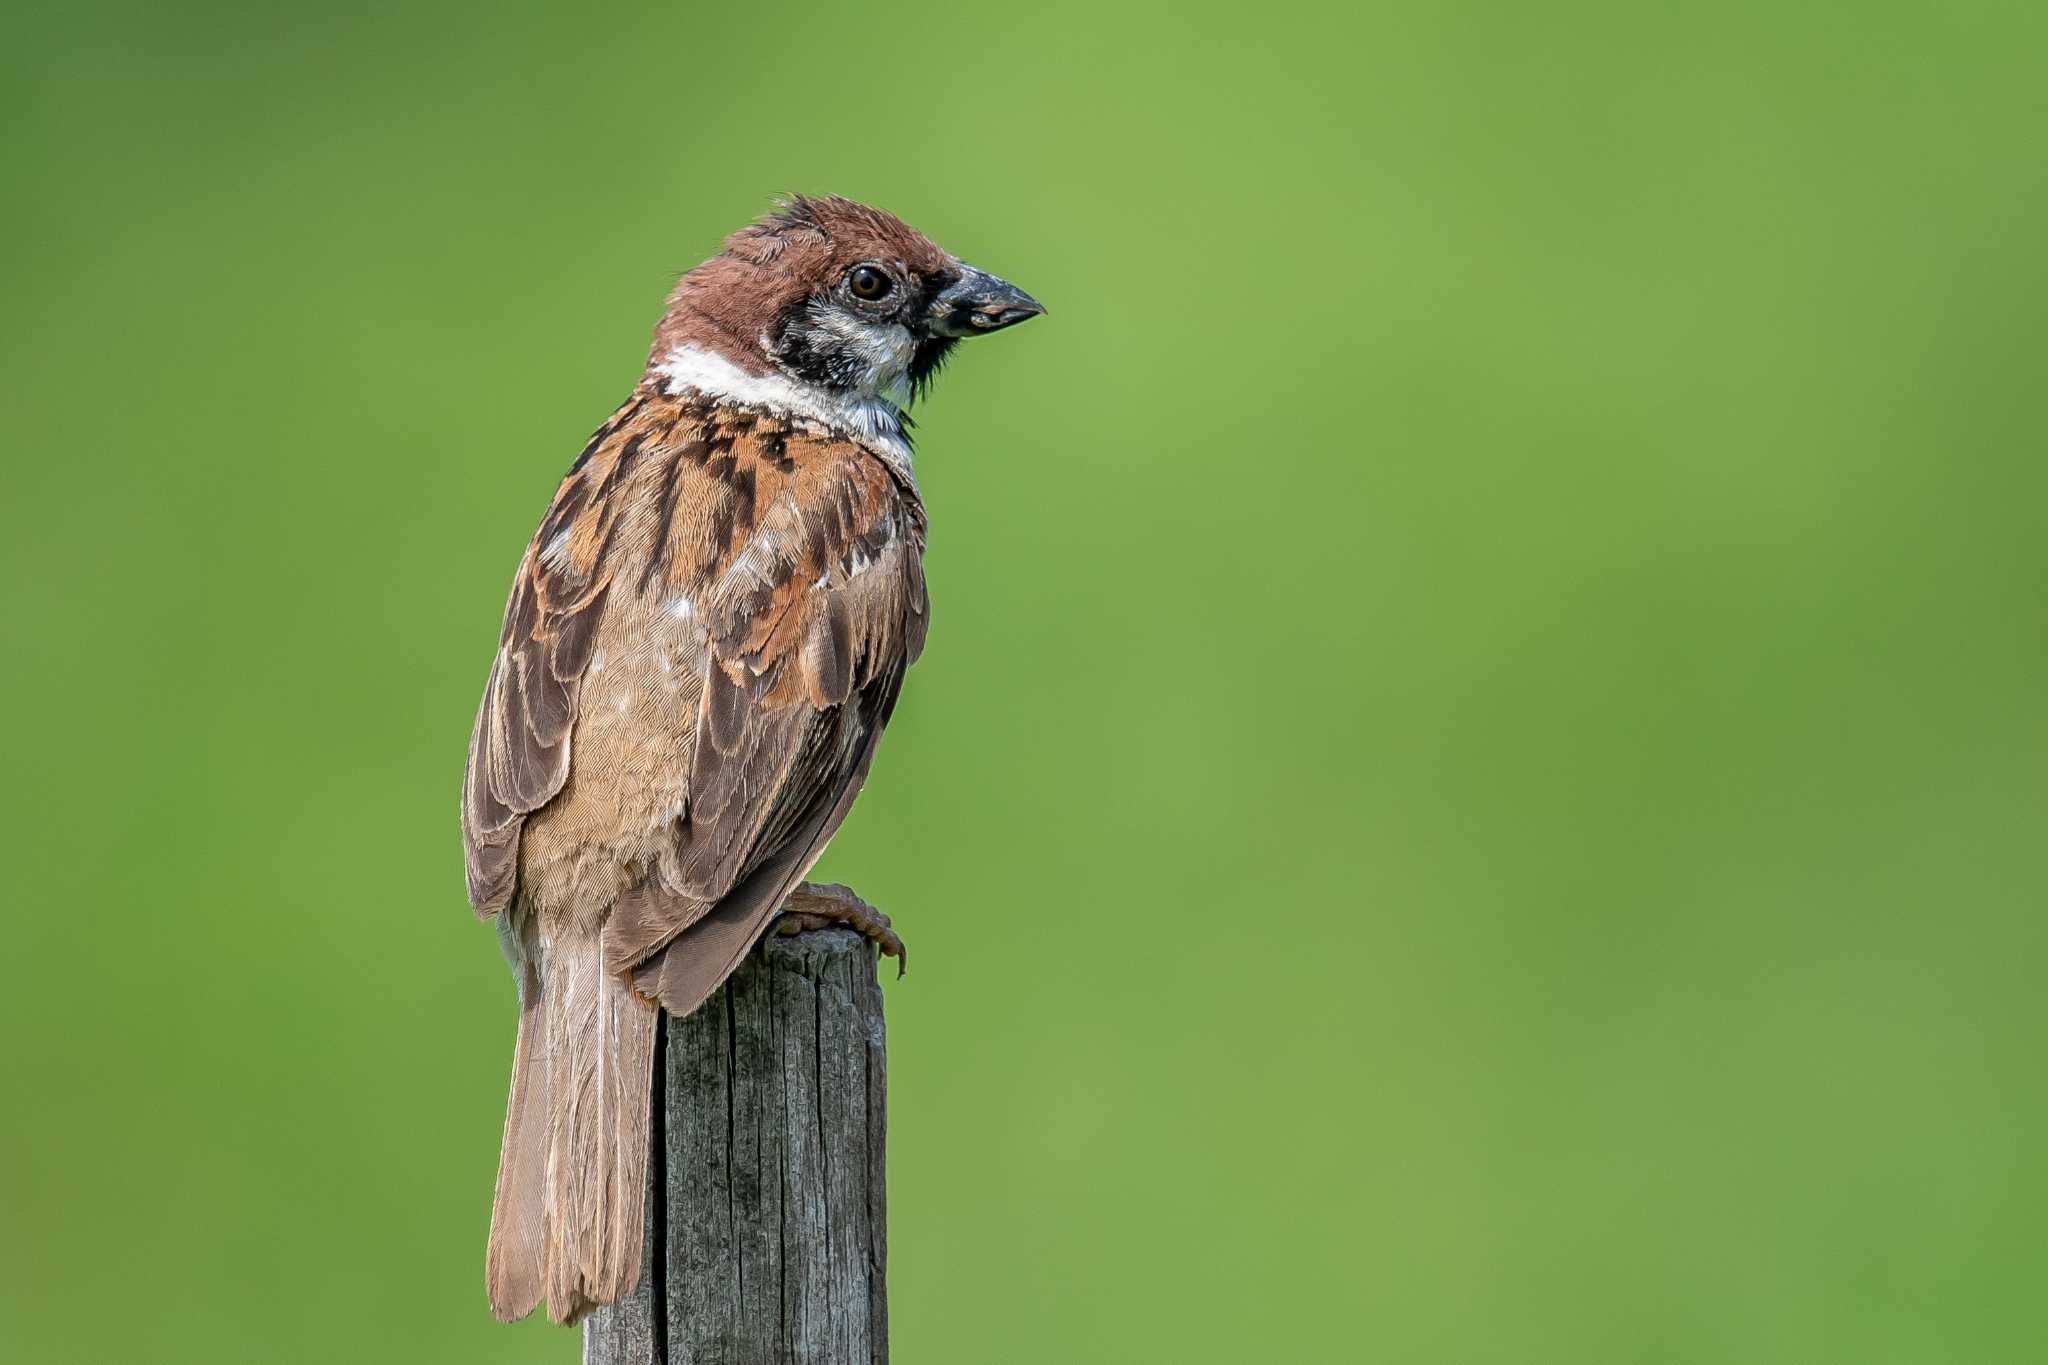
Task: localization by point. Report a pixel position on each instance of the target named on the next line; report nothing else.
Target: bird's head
(834, 296)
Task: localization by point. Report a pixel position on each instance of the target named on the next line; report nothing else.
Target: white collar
(876, 422)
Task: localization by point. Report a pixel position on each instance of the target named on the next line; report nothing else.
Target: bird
(703, 643)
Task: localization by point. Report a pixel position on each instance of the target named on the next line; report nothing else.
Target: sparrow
(703, 643)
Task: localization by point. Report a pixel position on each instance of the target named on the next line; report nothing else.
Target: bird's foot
(819, 905)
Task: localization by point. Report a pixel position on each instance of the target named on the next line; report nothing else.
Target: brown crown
(726, 303)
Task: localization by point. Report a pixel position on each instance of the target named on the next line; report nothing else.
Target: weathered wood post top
(767, 1239)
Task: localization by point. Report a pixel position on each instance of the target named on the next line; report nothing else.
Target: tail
(572, 1174)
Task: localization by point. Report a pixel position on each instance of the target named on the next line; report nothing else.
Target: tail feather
(575, 1142)
(513, 1262)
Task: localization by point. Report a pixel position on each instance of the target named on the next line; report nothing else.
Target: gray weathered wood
(767, 1223)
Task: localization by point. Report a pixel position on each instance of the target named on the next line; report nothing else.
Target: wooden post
(767, 1237)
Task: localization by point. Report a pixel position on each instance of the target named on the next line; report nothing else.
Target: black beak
(980, 303)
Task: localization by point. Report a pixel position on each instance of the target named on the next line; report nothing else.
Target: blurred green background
(1478, 790)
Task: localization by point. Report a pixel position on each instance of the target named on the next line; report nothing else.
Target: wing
(809, 622)
(684, 969)
(519, 748)
(794, 558)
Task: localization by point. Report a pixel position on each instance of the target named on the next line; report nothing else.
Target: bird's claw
(819, 905)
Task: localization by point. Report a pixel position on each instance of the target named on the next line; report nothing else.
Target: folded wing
(799, 556)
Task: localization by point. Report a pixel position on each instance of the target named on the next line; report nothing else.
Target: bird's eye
(868, 283)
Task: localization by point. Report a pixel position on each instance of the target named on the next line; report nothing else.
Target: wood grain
(767, 1234)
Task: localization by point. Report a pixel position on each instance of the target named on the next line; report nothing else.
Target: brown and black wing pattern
(809, 624)
(815, 612)
(687, 964)
(797, 554)
(519, 748)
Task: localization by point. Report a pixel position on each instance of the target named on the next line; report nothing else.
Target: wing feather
(519, 748)
(806, 619)
(799, 555)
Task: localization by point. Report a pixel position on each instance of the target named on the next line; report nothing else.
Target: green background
(1477, 794)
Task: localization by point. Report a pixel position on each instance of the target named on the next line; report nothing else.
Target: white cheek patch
(884, 350)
